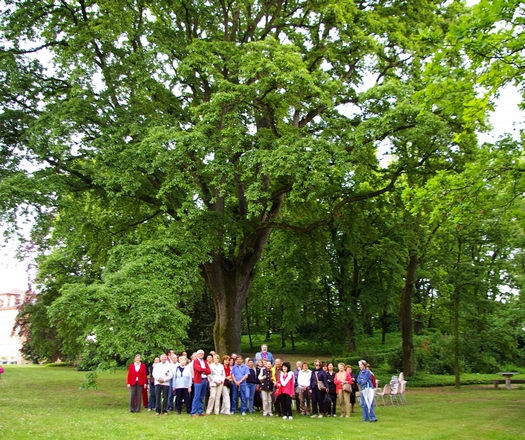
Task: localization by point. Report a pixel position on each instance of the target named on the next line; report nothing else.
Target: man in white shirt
(162, 374)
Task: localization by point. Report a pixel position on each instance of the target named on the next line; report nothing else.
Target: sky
(12, 272)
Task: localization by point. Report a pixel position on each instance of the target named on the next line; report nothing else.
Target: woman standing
(182, 385)
(137, 380)
(225, 408)
(367, 392)
(265, 377)
(257, 399)
(332, 393)
(303, 383)
(252, 381)
(216, 380)
(343, 380)
(318, 387)
(355, 388)
(286, 381)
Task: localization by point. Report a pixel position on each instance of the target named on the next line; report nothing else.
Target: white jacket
(163, 370)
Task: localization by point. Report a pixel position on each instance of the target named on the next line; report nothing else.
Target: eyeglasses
(317, 365)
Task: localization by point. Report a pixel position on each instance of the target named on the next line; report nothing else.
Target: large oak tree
(209, 122)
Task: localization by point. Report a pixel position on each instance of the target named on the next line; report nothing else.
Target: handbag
(278, 391)
(320, 385)
(348, 386)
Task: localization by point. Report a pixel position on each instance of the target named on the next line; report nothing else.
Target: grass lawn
(38, 402)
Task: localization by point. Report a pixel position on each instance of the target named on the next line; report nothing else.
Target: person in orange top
(137, 380)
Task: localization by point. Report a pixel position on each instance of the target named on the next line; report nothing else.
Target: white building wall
(10, 345)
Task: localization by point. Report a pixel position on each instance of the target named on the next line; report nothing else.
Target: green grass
(37, 402)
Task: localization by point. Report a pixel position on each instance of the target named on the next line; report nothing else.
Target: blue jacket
(269, 357)
(364, 378)
(318, 374)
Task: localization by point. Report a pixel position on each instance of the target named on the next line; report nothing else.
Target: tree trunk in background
(405, 316)
(384, 327)
(350, 337)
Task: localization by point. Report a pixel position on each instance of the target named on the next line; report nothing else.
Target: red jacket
(339, 384)
(198, 370)
(134, 375)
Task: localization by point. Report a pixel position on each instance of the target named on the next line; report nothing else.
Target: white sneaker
(243, 414)
(284, 417)
(320, 416)
(270, 415)
(314, 416)
(291, 418)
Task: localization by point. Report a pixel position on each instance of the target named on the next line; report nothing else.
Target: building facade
(10, 345)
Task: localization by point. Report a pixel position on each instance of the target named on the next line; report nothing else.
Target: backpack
(373, 380)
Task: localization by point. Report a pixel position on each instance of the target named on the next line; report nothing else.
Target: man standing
(163, 374)
(239, 374)
(201, 371)
(264, 354)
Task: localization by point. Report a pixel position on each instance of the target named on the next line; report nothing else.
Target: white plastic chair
(401, 391)
(394, 387)
(387, 390)
(401, 377)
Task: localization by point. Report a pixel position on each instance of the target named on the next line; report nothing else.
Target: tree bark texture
(405, 316)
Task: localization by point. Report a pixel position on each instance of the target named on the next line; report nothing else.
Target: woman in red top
(137, 380)
(225, 408)
(286, 383)
(342, 378)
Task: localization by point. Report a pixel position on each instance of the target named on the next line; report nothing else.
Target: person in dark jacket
(318, 388)
(330, 407)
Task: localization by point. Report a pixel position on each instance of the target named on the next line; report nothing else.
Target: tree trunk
(353, 292)
(457, 381)
(350, 336)
(455, 299)
(384, 327)
(230, 282)
(230, 288)
(248, 325)
(405, 316)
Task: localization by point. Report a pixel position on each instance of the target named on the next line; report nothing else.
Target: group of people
(231, 384)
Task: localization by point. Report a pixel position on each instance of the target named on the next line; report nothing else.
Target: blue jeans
(368, 415)
(170, 396)
(151, 401)
(242, 391)
(250, 395)
(198, 397)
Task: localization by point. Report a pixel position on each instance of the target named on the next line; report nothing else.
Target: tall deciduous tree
(212, 121)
